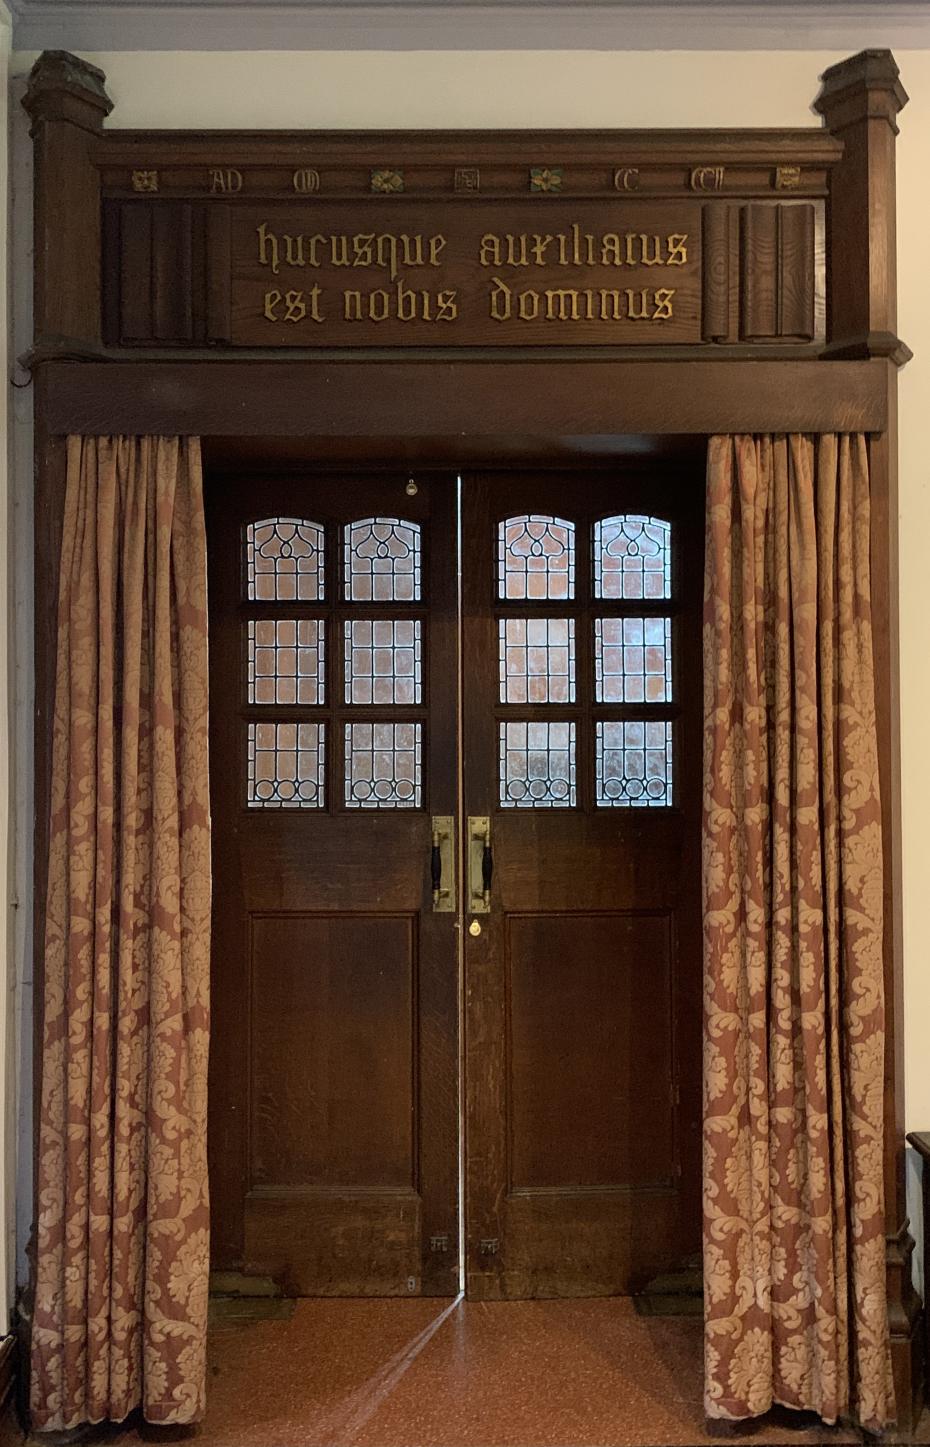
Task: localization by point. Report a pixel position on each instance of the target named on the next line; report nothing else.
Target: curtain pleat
(122, 1246)
(794, 1254)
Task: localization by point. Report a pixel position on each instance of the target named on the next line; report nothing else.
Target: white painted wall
(548, 88)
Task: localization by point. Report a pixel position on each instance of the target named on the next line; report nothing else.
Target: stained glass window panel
(632, 557)
(633, 660)
(383, 766)
(536, 557)
(286, 660)
(382, 561)
(286, 765)
(537, 765)
(284, 561)
(633, 764)
(383, 662)
(537, 660)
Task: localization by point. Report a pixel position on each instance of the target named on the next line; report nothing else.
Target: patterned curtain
(794, 1250)
(122, 1245)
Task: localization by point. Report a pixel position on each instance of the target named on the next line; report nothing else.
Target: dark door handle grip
(442, 863)
(487, 867)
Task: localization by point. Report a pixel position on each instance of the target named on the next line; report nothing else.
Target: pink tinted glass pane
(536, 558)
(632, 557)
(284, 560)
(537, 660)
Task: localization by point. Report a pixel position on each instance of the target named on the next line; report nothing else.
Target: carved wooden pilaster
(67, 104)
(859, 101)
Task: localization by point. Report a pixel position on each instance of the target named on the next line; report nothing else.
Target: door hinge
(439, 1243)
(488, 1246)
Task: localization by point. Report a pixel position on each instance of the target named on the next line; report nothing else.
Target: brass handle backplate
(480, 862)
(442, 863)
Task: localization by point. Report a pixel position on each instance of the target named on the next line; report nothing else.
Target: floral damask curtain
(123, 1221)
(794, 1249)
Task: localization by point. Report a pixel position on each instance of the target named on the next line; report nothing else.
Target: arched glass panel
(536, 557)
(382, 561)
(284, 561)
(632, 557)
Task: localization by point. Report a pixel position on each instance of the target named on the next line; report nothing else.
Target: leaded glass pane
(633, 660)
(632, 557)
(633, 764)
(286, 765)
(536, 557)
(383, 663)
(284, 561)
(286, 660)
(537, 660)
(537, 765)
(383, 765)
(382, 561)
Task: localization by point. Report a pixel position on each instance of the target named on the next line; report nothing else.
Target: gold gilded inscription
(707, 178)
(400, 303)
(626, 178)
(490, 283)
(227, 181)
(385, 251)
(293, 306)
(583, 248)
(306, 180)
(580, 304)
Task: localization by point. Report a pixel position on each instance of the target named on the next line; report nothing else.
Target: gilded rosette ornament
(545, 178)
(387, 182)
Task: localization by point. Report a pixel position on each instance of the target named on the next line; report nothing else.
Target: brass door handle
(442, 864)
(480, 864)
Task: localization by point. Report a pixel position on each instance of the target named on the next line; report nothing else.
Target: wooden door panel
(578, 1242)
(291, 869)
(334, 1059)
(345, 1243)
(333, 1036)
(623, 862)
(583, 969)
(588, 1005)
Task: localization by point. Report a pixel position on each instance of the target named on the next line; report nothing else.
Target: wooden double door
(455, 763)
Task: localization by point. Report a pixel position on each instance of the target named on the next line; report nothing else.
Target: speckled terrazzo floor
(438, 1374)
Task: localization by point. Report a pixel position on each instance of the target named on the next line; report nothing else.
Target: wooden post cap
(920, 1140)
(63, 87)
(866, 86)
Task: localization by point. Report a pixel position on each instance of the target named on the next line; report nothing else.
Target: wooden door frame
(845, 382)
